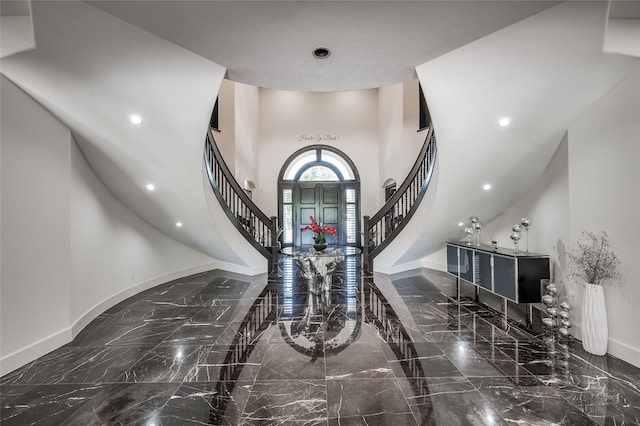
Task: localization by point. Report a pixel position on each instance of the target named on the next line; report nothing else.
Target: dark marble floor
(218, 348)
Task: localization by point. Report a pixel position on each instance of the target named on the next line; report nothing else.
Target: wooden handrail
(247, 217)
(380, 229)
(260, 230)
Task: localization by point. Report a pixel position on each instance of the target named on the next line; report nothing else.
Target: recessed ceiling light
(504, 122)
(179, 224)
(136, 119)
(486, 187)
(321, 52)
(151, 187)
(460, 223)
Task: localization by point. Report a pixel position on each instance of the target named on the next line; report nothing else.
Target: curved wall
(70, 249)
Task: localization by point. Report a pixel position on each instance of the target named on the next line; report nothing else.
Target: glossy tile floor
(217, 348)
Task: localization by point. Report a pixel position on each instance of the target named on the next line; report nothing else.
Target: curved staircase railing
(257, 228)
(380, 229)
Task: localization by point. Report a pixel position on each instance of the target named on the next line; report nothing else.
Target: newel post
(274, 243)
(365, 246)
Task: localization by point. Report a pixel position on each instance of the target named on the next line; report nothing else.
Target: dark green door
(323, 201)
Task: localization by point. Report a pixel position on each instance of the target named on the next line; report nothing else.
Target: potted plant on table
(596, 264)
(319, 231)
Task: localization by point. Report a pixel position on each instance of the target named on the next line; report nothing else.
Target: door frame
(344, 184)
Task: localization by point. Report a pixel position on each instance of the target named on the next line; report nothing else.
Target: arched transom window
(322, 158)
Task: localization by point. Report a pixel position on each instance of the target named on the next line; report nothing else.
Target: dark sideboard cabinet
(512, 275)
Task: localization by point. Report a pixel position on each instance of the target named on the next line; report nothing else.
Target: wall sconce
(248, 186)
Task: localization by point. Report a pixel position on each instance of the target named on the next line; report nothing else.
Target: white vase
(595, 333)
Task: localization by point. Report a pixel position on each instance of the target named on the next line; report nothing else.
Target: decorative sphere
(474, 219)
(552, 288)
(563, 331)
(564, 314)
(526, 222)
(477, 225)
(565, 306)
(515, 236)
(548, 300)
(565, 323)
(552, 311)
(549, 322)
(516, 228)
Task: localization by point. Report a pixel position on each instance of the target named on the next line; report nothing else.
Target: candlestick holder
(526, 223)
(477, 227)
(515, 237)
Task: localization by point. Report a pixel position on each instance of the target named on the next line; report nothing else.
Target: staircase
(379, 230)
(388, 222)
(247, 217)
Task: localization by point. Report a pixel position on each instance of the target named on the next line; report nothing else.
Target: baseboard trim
(433, 265)
(113, 300)
(27, 354)
(23, 356)
(243, 270)
(397, 269)
(624, 352)
(615, 347)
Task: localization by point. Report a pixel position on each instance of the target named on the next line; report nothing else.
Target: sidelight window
(287, 216)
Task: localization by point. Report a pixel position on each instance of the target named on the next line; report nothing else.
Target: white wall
(412, 139)
(246, 133)
(70, 250)
(546, 204)
(390, 126)
(349, 117)
(604, 194)
(238, 135)
(113, 250)
(35, 232)
(16, 34)
(377, 128)
(400, 141)
(226, 137)
(592, 182)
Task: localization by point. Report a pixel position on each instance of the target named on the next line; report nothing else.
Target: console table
(512, 275)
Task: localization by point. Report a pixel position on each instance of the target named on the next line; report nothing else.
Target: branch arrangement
(594, 261)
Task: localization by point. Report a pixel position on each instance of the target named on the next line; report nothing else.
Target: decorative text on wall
(317, 137)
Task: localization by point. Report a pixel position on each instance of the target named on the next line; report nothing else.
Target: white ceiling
(373, 43)
(14, 8)
(93, 66)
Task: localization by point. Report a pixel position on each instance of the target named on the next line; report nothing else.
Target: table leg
(529, 319)
(505, 311)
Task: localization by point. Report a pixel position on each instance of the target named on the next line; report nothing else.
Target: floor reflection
(219, 348)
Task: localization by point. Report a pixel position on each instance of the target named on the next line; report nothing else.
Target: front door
(323, 201)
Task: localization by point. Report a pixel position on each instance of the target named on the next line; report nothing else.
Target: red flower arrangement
(319, 231)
